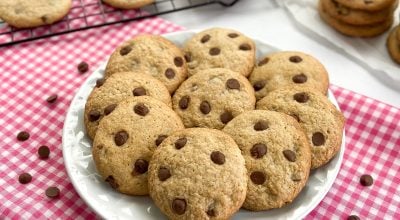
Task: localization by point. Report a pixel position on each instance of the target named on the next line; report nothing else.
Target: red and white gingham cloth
(31, 72)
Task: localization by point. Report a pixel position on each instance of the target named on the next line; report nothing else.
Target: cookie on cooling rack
(127, 4)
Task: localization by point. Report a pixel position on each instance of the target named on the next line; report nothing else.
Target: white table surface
(265, 20)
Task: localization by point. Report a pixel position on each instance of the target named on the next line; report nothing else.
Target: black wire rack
(86, 14)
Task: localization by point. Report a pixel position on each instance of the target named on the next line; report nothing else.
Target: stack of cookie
(393, 44)
(206, 152)
(358, 18)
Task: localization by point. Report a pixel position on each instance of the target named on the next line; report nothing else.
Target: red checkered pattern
(31, 72)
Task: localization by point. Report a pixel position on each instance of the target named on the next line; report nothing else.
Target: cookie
(28, 13)
(357, 17)
(104, 98)
(126, 139)
(277, 155)
(198, 173)
(212, 98)
(288, 68)
(393, 45)
(319, 118)
(368, 5)
(153, 55)
(127, 4)
(220, 48)
(355, 30)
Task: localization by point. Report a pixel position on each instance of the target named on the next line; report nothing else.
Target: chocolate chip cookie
(128, 4)
(153, 55)
(212, 98)
(393, 45)
(288, 68)
(198, 173)
(321, 121)
(277, 155)
(220, 48)
(125, 141)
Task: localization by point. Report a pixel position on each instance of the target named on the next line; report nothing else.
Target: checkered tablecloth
(31, 72)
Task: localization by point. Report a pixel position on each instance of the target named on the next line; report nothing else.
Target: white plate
(112, 205)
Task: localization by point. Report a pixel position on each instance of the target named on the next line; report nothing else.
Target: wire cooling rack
(85, 14)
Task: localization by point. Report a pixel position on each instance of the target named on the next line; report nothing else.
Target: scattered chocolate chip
(184, 102)
(44, 152)
(226, 117)
(260, 125)
(245, 46)
(205, 38)
(100, 146)
(23, 136)
(211, 212)
(52, 192)
(178, 61)
(366, 180)
(263, 61)
(214, 51)
(181, 142)
(160, 139)
(169, 73)
(163, 174)
(44, 18)
(318, 139)
(205, 107)
(52, 98)
(299, 78)
(125, 50)
(289, 155)
(179, 206)
(188, 57)
(120, 138)
(368, 1)
(258, 150)
(83, 67)
(100, 82)
(141, 109)
(232, 84)
(295, 59)
(24, 178)
(353, 217)
(112, 182)
(94, 115)
(233, 35)
(257, 177)
(109, 109)
(139, 91)
(141, 166)
(258, 85)
(217, 157)
(301, 97)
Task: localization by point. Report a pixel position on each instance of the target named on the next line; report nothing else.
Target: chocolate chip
(353, 217)
(258, 150)
(125, 50)
(83, 67)
(295, 59)
(214, 51)
(233, 35)
(163, 174)
(139, 91)
(178, 61)
(100, 146)
(232, 84)
(52, 192)
(299, 78)
(184, 102)
(289, 155)
(368, 1)
(263, 61)
(179, 206)
(141, 166)
(217, 157)
(160, 139)
(120, 138)
(112, 182)
(24, 178)
(109, 109)
(318, 139)
(366, 180)
(44, 152)
(226, 117)
(211, 212)
(260, 125)
(245, 46)
(188, 57)
(100, 82)
(259, 85)
(141, 109)
(169, 73)
(23, 136)
(94, 115)
(257, 177)
(205, 107)
(44, 18)
(181, 142)
(205, 38)
(52, 98)
(301, 97)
